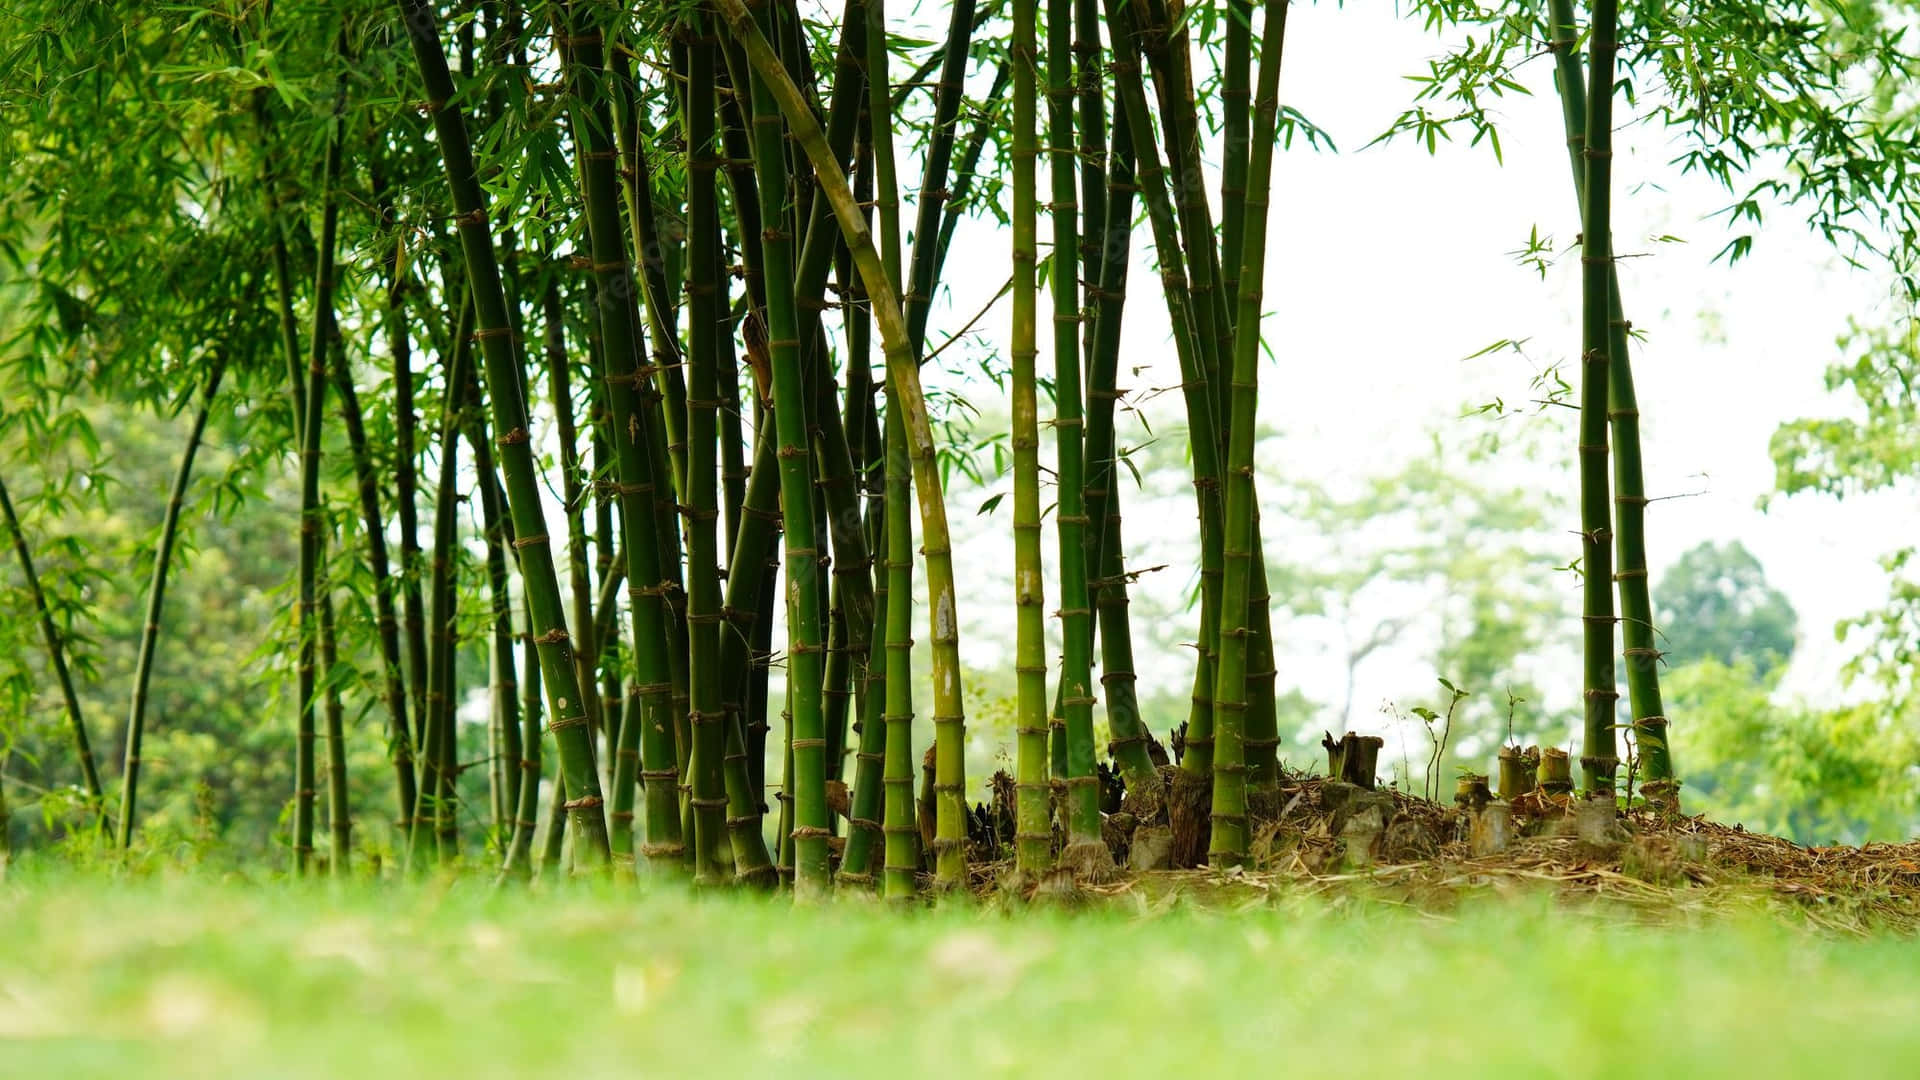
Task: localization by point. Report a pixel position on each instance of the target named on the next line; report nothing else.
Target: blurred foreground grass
(204, 978)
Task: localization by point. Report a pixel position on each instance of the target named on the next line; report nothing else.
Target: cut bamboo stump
(1360, 834)
(1152, 848)
(1470, 792)
(1519, 770)
(1353, 758)
(1556, 771)
(1492, 830)
(1597, 824)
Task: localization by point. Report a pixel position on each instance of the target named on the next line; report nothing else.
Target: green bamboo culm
(156, 599)
(379, 566)
(1235, 92)
(312, 518)
(898, 820)
(903, 378)
(1641, 653)
(1086, 853)
(1202, 429)
(1033, 833)
(1107, 583)
(870, 774)
(1599, 762)
(56, 655)
(899, 827)
(707, 717)
(503, 714)
(1228, 846)
(804, 649)
(339, 813)
(572, 736)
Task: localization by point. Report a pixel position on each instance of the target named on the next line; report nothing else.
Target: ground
(197, 975)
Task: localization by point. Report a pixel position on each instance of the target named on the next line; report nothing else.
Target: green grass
(203, 978)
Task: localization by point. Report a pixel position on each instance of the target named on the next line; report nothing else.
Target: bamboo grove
(653, 287)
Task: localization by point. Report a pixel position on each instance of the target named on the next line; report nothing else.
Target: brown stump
(1519, 770)
(1492, 828)
(1353, 758)
(1470, 792)
(1189, 815)
(1556, 771)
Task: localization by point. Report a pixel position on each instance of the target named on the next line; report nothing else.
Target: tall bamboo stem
(156, 599)
(571, 735)
(637, 445)
(949, 714)
(1202, 432)
(339, 812)
(311, 517)
(804, 660)
(1033, 837)
(1086, 850)
(1599, 761)
(394, 691)
(1641, 652)
(1229, 841)
(1107, 585)
(56, 655)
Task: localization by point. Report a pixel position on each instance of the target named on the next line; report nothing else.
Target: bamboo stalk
(503, 705)
(56, 655)
(519, 856)
(804, 666)
(1107, 585)
(339, 812)
(312, 411)
(1235, 94)
(394, 691)
(573, 499)
(637, 446)
(1641, 652)
(1086, 852)
(1203, 435)
(706, 304)
(949, 715)
(406, 504)
(899, 823)
(963, 175)
(156, 599)
(1228, 846)
(1033, 836)
(866, 837)
(510, 421)
(1598, 763)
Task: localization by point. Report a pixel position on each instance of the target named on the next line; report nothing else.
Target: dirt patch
(1327, 837)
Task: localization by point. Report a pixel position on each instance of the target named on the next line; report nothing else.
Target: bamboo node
(584, 802)
(810, 832)
(515, 436)
(529, 541)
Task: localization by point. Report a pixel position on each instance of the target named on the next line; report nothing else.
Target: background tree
(1716, 605)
